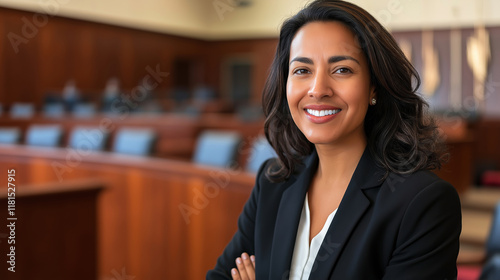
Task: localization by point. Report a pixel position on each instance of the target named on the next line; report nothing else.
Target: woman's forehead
(328, 37)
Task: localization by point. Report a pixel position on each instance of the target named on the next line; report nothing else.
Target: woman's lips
(321, 114)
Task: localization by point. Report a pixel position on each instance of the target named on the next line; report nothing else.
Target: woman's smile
(319, 114)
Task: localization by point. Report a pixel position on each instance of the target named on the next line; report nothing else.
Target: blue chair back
(261, 151)
(493, 243)
(216, 148)
(22, 110)
(10, 135)
(134, 141)
(53, 110)
(491, 270)
(88, 139)
(44, 135)
(84, 110)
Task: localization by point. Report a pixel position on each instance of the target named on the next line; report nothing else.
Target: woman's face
(328, 87)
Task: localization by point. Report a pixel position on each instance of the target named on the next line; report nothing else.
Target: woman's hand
(245, 268)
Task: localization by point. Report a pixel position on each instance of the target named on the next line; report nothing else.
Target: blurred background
(132, 130)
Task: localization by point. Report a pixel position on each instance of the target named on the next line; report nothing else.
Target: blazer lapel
(287, 220)
(351, 209)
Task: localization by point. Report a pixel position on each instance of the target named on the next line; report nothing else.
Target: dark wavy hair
(401, 137)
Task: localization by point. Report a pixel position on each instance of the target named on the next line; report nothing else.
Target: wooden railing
(156, 219)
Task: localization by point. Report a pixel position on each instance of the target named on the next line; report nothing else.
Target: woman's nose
(320, 86)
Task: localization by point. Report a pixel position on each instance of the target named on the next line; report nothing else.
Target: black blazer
(403, 227)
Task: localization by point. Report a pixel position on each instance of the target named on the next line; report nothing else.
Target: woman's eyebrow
(331, 60)
(338, 58)
(303, 60)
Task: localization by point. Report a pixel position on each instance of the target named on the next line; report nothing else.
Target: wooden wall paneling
(261, 51)
(146, 54)
(85, 60)
(57, 54)
(468, 102)
(492, 94)
(89, 52)
(442, 43)
(441, 99)
(21, 75)
(266, 50)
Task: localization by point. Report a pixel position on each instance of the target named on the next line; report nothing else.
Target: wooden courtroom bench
(157, 218)
(53, 228)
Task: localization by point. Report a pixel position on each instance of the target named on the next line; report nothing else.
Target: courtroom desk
(157, 218)
(486, 150)
(458, 170)
(55, 233)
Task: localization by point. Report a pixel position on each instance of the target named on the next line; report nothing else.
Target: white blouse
(303, 253)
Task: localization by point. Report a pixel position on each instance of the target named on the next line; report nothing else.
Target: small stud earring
(374, 101)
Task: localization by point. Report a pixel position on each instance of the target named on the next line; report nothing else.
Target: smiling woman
(350, 195)
(324, 78)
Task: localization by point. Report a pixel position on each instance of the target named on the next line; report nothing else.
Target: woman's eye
(301, 71)
(343, 70)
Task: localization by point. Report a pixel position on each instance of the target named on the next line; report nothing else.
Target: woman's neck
(338, 162)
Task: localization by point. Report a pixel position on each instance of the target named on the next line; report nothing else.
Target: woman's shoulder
(420, 183)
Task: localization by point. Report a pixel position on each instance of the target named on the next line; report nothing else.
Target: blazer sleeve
(243, 239)
(428, 239)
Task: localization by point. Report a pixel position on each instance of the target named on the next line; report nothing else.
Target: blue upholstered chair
(53, 110)
(44, 135)
(22, 110)
(88, 139)
(84, 110)
(493, 243)
(217, 148)
(10, 135)
(134, 141)
(261, 151)
(491, 270)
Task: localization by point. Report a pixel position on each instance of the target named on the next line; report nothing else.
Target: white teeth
(322, 113)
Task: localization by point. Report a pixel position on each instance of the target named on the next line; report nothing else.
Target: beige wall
(418, 14)
(219, 19)
(262, 18)
(183, 17)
